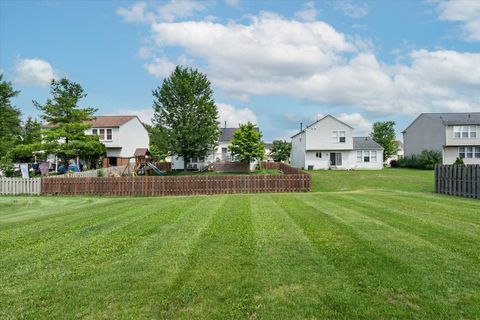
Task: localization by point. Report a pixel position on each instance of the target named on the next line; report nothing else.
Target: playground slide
(156, 170)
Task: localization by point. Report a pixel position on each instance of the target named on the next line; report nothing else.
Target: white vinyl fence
(11, 186)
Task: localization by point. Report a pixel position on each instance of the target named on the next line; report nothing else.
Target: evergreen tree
(67, 122)
(10, 123)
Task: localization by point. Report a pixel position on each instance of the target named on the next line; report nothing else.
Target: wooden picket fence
(15, 186)
(91, 173)
(296, 181)
(455, 180)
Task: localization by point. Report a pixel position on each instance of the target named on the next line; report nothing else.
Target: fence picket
(455, 180)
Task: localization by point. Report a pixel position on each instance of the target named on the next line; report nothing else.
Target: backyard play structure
(142, 165)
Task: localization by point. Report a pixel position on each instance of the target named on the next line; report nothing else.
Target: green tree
(247, 144)
(158, 142)
(184, 107)
(67, 122)
(384, 134)
(31, 131)
(10, 123)
(280, 150)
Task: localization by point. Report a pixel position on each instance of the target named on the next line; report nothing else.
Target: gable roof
(111, 121)
(365, 143)
(328, 115)
(141, 152)
(453, 118)
(226, 134)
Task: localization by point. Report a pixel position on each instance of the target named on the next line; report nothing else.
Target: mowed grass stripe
(418, 262)
(216, 282)
(89, 254)
(296, 280)
(371, 270)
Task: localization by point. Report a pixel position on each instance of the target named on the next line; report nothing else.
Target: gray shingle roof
(365, 143)
(226, 134)
(459, 118)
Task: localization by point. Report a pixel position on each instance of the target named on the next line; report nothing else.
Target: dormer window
(338, 137)
(104, 134)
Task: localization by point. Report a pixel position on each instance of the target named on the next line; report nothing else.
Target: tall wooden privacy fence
(13, 186)
(458, 180)
(293, 181)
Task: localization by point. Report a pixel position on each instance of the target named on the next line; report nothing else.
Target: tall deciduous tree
(184, 107)
(247, 145)
(384, 134)
(280, 150)
(158, 142)
(10, 123)
(67, 122)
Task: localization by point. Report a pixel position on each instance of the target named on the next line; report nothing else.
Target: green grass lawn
(376, 245)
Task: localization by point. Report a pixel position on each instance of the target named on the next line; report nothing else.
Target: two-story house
(328, 143)
(121, 135)
(453, 134)
(220, 153)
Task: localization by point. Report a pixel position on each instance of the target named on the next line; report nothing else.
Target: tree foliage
(384, 134)
(67, 122)
(31, 131)
(280, 150)
(185, 109)
(10, 123)
(158, 142)
(247, 144)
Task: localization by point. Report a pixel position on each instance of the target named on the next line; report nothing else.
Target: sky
(275, 63)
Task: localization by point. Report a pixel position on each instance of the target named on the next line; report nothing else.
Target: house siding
(450, 154)
(427, 132)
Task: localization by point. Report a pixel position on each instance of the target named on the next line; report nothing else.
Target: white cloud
(271, 55)
(234, 116)
(467, 12)
(34, 72)
(233, 3)
(160, 67)
(308, 13)
(353, 10)
(170, 11)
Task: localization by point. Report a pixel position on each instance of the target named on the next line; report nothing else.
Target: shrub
(425, 161)
(100, 173)
(459, 162)
(393, 164)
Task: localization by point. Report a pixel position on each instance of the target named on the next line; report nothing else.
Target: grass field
(375, 245)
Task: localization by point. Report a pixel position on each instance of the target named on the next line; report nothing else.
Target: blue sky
(277, 63)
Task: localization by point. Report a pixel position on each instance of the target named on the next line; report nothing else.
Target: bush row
(425, 160)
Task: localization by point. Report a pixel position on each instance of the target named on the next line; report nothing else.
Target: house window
(318, 154)
(342, 136)
(366, 156)
(109, 134)
(335, 136)
(94, 131)
(373, 156)
(461, 152)
(477, 152)
(469, 152)
(473, 131)
(224, 150)
(103, 134)
(359, 156)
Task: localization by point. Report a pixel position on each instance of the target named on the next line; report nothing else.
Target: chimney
(301, 126)
(225, 124)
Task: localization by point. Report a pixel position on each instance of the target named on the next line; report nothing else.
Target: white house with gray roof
(220, 153)
(453, 134)
(328, 143)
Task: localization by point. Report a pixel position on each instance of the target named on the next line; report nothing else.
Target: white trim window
(461, 152)
(318, 154)
(367, 156)
(105, 134)
(477, 152)
(464, 132)
(339, 137)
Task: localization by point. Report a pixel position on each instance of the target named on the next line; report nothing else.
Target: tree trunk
(185, 164)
